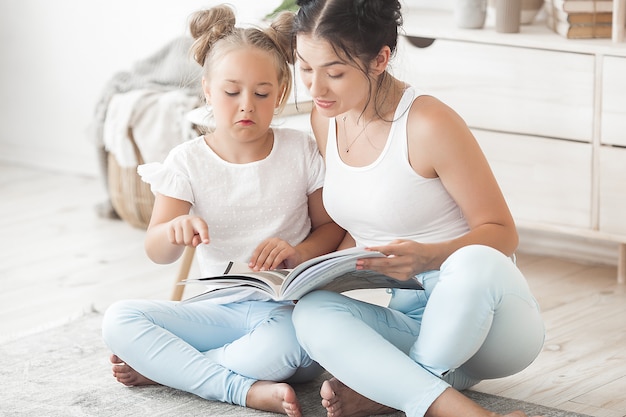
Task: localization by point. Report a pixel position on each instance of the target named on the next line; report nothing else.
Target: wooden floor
(58, 259)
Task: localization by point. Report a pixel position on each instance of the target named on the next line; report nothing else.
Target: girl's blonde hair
(216, 35)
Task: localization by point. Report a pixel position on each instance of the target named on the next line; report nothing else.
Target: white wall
(56, 57)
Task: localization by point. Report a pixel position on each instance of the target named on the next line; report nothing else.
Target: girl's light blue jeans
(475, 320)
(214, 351)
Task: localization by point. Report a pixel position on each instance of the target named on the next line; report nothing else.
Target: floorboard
(58, 259)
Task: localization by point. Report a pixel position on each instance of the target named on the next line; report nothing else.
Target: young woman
(405, 176)
(244, 191)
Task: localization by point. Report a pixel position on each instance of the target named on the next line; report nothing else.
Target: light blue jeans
(476, 319)
(214, 351)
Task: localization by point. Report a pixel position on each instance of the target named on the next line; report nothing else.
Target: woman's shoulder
(427, 112)
(435, 126)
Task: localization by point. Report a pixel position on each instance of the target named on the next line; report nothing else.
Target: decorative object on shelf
(470, 14)
(508, 14)
(530, 9)
(580, 19)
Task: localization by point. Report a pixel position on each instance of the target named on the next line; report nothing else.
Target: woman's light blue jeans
(214, 351)
(475, 320)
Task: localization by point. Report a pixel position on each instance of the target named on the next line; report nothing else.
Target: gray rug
(64, 371)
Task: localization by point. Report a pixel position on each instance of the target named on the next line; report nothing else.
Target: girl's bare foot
(277, 397)
(127, 375)
(341, 401)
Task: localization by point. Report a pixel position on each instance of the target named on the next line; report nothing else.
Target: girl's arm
(325, 237)
(347, 242)
(171, 228)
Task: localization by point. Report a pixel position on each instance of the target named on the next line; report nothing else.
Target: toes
(119, 367)
(115, 360)
(327, 392)
(123, 379)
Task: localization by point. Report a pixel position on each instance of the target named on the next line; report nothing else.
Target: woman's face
(336, 84)
(244, 91)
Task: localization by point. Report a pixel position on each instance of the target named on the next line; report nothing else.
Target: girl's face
(335, 84)
(243, 91)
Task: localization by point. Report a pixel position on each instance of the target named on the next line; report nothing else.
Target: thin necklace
(345, 133)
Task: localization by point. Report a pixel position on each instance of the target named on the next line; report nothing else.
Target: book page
(315, 266)
(239, 274)
(339, 274)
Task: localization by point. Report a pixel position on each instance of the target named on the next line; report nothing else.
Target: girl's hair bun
(207, 27)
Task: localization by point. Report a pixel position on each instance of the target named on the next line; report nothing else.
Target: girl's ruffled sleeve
(167, 181)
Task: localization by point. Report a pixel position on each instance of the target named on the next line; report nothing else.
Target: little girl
(224, 192)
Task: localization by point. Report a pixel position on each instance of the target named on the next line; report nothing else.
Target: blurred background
(58, 55)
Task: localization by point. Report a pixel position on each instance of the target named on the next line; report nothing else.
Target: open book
(335, 271)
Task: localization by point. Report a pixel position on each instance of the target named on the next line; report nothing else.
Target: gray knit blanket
(170, 68)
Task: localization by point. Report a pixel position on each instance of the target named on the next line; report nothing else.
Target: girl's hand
(404, 259)
(274, 253)
(188, 230)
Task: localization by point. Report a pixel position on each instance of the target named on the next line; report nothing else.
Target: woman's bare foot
(127, 375)
(277, 397)
(452, 403)
(518, 414)
(341, 401)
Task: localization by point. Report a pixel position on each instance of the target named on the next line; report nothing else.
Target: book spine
(579, 31)
(583, 6)
(589, 24)
(579, 17)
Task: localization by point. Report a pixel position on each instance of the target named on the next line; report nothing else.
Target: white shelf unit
(549, 113)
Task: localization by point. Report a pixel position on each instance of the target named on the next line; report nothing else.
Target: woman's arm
(441, 145)
(456, 158)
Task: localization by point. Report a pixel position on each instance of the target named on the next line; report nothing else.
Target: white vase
(470, 14)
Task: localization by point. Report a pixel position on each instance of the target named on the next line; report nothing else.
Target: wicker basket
(131, 198)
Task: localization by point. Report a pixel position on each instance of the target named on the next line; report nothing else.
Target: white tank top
(387, 199)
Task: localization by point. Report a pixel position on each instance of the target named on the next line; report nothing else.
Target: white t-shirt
(243, 204)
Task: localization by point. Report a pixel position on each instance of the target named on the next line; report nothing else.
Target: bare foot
(341, 401)
(127, 375)
(277, 397)
(453, 403)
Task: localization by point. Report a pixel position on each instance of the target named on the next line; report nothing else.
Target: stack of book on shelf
(580, 19)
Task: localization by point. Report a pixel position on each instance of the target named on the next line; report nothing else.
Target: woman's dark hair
(356, 29)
